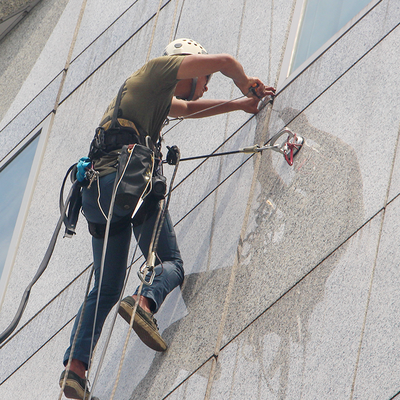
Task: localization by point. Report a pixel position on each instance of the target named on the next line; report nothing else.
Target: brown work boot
(75, 386)
(144, 324)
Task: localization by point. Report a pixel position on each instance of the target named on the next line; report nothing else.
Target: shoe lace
(155, 322)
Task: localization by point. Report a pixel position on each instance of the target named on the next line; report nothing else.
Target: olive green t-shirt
(146, 101)
(147, 95)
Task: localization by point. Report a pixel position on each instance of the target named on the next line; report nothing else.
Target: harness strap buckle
(99, 137)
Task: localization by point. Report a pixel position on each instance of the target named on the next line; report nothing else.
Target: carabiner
(142, 273)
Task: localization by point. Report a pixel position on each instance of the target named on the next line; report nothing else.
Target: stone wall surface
(291, 284)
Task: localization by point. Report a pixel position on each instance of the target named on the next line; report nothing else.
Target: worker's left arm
(205, 64)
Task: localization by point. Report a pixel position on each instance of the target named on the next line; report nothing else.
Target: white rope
(108, 219)
(154, 30)
(171, 35)
(68, 366)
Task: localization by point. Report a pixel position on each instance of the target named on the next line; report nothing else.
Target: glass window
(13, 181)
(320, 20)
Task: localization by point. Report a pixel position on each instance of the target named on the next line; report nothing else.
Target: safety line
(216, 149)
(68, 366)
(106, 235)
(139, 293)
(117, 182)
(182, 118)
(152, 248)
(103, 257)
(154, 31)
(171, 35)
(121, 361)
(107, 341)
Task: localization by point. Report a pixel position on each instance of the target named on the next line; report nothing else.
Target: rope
(126, 341)
(116, 313)
(103, 257)
(117, 182)
(108, 219)
(154, 30)
(68, 366)
(207, 109)
(152, 247)
(171, 35)
(165, 209)
(182, 118)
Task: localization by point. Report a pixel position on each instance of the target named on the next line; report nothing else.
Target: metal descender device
(288, 148)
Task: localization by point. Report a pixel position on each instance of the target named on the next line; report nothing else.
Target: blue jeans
(169, 273)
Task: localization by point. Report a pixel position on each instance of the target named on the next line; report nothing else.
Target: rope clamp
(288, 149)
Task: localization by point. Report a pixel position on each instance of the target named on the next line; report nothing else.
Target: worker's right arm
(194, 109)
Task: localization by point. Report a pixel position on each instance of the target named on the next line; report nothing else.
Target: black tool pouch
(135, 170)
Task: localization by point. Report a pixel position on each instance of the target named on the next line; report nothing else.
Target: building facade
(292, 284)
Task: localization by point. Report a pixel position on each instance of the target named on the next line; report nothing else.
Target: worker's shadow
(301, 214)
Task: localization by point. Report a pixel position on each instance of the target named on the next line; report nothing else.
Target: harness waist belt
(123, 122)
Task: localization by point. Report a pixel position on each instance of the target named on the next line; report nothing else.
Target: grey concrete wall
(291, 287)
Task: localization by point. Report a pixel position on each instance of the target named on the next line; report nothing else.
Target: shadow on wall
(300, 215)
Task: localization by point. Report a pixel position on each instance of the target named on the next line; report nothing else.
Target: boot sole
(73, 390)
(146, 333)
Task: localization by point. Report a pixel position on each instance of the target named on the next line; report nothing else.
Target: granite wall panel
(109, 42)
(305, 345)
(378, 364)
(278, 259)
(299, 214)
(29, 118)
(50, 62)
(19, 53)
(336, 60)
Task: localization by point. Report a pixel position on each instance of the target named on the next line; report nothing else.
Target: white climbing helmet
(184, 46)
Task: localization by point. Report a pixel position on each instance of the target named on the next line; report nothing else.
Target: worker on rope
(171, 85)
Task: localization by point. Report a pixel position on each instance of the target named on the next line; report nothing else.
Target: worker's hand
(249, 104)
(255, 88)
